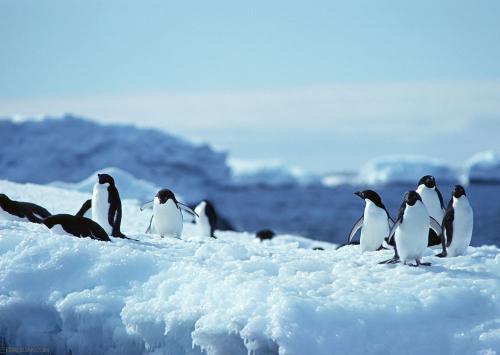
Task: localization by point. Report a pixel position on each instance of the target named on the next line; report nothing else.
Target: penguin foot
(420, 263)
(390, 261)
(441, 255)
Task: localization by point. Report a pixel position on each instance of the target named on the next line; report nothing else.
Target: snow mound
(128, 186)
(232, 295)
(404, 169)
(267, 173)
(483, 168)
(71, 148)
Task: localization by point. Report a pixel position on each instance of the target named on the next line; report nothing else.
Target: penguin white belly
(167, 219)
(412, 234)
(375, 227)
(462, 228)
(203, 224)
(431, 202)
(100, 206)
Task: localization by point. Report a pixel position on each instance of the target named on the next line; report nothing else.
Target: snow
(268, 173)
(72, 148)
(483, 167)
(234, 294)
(405, 169)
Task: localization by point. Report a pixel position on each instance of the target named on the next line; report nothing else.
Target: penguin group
(422, 222)
(100, 217)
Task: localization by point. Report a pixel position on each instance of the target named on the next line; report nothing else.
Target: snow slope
(69, 149)
(404, 169)
(233, 295)
(128, 186)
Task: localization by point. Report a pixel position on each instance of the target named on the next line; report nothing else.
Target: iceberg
(272, 173)
(400, 169)
(71, 148)
(483, 168)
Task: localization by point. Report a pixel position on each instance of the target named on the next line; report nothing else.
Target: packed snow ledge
(233, 295)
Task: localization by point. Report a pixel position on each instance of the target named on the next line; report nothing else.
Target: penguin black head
(105, 179)
(411, 197)
(458, 191)
(370, 195)
(265, 234)
(3, 197)
(428, 180)
(164, 195)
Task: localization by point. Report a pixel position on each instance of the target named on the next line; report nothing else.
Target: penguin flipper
(448, 219)
(147, 205)
(85, 207)
(355, 228)
(187, 209)
(440, 196)
(393, 230)
(116, 225)
(435, 226)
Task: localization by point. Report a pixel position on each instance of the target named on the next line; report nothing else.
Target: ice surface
(268, 173)
(69, 149)
(405, 169)
(233, 295)
(483, 167)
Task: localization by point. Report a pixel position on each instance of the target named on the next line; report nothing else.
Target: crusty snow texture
(233, 295)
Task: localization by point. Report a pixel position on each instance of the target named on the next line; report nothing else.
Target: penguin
(24, 211)
(411, 230)
(167, 217)
(207, 219)
(265, 234)
(80, 227)
(106, 205)
(433, 201)
(375, 223)
(458, 223)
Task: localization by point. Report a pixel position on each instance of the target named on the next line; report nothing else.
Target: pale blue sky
(242, 65)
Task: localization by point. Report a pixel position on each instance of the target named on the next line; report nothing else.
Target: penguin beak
(360, 194)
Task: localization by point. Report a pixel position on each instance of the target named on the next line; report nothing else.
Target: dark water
(329, 213)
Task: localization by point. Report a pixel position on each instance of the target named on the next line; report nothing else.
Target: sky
(324, 85)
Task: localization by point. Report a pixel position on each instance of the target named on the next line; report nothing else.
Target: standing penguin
(167, 216)
(412, 228)
(106, 205)
(18, 210)
(457, 224)
(207, 218)
(433, 201)
(375, 223)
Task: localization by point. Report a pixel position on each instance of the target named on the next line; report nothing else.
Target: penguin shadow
(459, 273)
